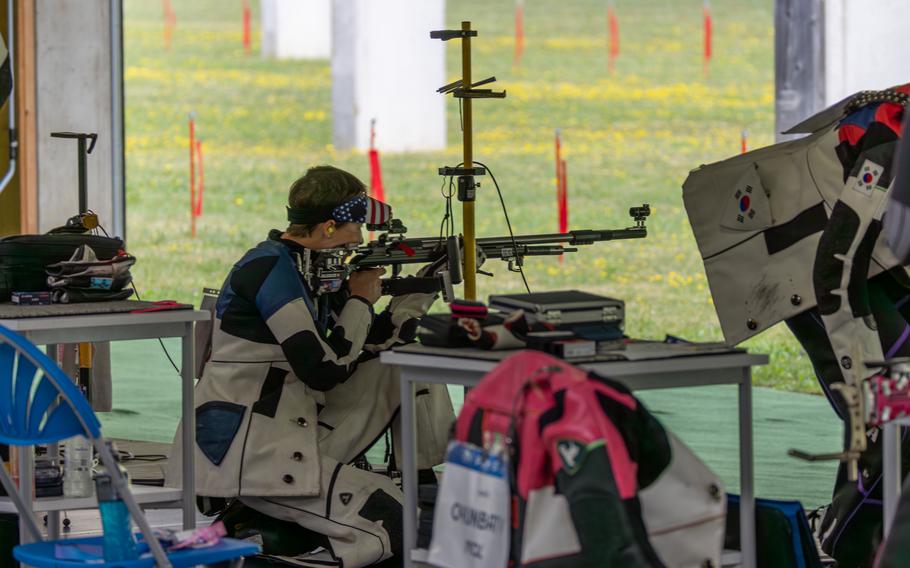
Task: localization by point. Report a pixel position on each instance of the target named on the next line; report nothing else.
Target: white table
(427, 365)
(53, 330)
(892, 477)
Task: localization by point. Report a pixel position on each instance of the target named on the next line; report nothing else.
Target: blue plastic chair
(39, 404)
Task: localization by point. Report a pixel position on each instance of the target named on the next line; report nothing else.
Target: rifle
(392, 248)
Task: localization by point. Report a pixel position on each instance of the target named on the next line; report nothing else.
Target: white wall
(78, 89)
(296, 29)
(385, 66)
(867, 46)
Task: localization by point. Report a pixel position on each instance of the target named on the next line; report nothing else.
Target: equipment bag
(782, 533)
(23, 258)
(582, 447)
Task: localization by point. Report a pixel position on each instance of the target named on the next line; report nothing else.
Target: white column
(865, 46)
(296, 29)
(78, 89)
(386, 67)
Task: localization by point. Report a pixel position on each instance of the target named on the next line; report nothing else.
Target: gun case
(564, 309)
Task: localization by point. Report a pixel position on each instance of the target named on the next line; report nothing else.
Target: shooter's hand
(365, 283)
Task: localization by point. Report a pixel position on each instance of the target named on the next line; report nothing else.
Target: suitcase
(565, 309)
(23, 258)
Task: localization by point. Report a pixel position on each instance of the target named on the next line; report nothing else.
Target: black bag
(23, 258)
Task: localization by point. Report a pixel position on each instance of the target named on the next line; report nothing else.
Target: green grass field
(628, 138)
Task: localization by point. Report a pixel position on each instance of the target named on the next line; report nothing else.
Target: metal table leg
(891, 473)
(53, 452)
(26, 481)
(187, 372)
(409, 464)
(747, 491)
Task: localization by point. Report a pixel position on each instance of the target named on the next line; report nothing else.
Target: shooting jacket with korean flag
(276, 350)
(759, 217)
(794, 232)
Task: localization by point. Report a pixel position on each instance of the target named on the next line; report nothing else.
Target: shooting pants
(360, 511)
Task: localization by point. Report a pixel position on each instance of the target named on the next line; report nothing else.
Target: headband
(361, 209)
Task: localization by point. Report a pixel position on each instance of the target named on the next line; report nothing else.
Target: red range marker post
(708, 31)
(192, 119)
(377, 191)
(246, 26)
(559, 165)
(743, 141)
(197, 209)
(564, 200)
(612, 37)
(519, 33)
(170, 22)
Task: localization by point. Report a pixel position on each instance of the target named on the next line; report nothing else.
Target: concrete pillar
(385, 66)
(866, 46)
(296, 29)
(79, 79)
(826, 50)
(799, 86)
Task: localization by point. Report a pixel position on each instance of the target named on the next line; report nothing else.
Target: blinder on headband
(360, 209)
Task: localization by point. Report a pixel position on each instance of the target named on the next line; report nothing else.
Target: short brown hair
(321, 186)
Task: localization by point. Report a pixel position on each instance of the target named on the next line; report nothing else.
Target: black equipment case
(563, 309)
(23, 258)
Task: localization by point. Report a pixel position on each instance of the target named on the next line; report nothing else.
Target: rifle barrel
(426, 249)
(582, 237)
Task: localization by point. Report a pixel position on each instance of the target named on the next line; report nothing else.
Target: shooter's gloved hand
(365, 284)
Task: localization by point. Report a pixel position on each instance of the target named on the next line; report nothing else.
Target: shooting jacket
(759, 218)
(275, 351)
(794, 232)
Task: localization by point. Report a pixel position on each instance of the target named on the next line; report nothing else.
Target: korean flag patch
(867, 178)
(747, 207)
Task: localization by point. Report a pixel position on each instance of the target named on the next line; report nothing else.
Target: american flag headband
(361, 209)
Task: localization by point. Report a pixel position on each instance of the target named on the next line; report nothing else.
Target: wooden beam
(26, 118)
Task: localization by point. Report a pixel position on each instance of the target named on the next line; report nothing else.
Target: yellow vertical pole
(470, 246)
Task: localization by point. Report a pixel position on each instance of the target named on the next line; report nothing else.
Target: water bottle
(117, 542)
(77, 468)
(77, 464)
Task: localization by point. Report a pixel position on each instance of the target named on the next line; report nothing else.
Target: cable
(174, 365)
(508, 224)
(99, 224)
(447, 225)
